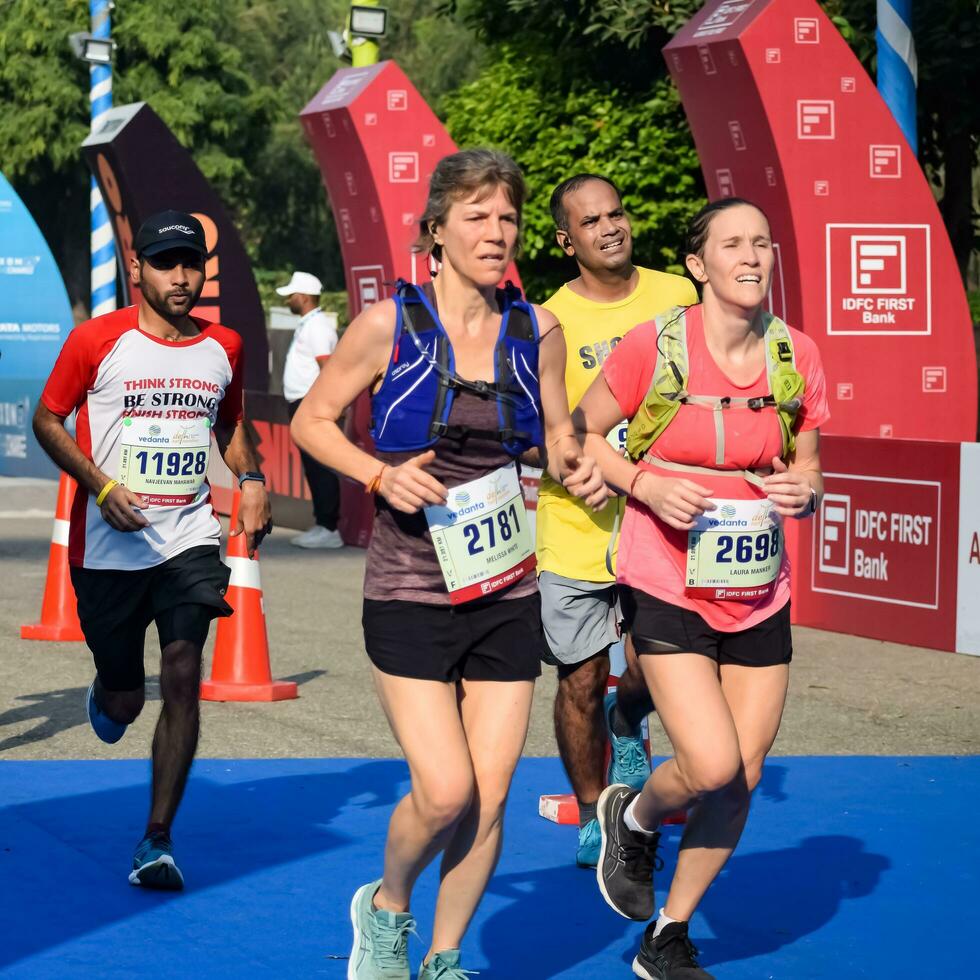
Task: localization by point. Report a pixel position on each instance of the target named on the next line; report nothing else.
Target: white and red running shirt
(146, 408)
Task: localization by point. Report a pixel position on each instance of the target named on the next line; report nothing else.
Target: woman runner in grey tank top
(451, 619)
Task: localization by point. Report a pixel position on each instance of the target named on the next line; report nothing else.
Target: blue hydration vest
(411, 408)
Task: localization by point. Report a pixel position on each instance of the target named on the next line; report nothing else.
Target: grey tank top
(401, 561)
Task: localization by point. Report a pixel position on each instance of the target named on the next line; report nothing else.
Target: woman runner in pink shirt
(701, 561)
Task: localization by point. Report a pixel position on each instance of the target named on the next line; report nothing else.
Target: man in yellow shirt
(578, 592)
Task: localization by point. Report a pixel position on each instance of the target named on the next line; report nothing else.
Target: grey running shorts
(580, 619)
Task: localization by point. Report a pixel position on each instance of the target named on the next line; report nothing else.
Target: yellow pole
(363, 50)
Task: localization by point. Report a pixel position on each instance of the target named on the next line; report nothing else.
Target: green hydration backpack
(668, 389)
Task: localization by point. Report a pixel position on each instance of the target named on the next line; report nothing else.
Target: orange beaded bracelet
(374, 485)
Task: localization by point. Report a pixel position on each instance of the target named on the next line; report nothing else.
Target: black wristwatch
(258, 477)
(811, 507)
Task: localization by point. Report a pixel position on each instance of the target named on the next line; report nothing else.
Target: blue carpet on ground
(844, 861)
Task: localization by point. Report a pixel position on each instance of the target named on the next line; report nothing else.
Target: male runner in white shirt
(151, 383)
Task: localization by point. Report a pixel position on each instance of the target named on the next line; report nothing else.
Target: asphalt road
(848, 696)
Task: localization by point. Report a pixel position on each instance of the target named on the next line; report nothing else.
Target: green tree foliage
(567, 92)
(631, 23)
(44, 94)
(618, 41)
(229, 77)
(641, 143)
(562, 84)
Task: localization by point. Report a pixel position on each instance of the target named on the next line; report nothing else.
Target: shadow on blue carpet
(837, 855)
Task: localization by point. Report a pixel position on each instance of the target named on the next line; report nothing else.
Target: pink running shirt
(652, 555)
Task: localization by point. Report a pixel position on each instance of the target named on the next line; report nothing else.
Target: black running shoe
(671, 956)
(626, 859)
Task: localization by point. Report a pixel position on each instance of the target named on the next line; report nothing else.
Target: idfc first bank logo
(878, 539)
(878, 279)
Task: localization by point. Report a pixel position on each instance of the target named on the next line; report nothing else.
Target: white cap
(302, 282)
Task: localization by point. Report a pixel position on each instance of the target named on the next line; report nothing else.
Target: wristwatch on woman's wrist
(811, 507)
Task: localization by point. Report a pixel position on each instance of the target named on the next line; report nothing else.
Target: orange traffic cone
(59, 610)
(240, 670)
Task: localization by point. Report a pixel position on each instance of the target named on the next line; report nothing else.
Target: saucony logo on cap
(170, 229)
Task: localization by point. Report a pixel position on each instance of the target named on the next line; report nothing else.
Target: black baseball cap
(170, 229)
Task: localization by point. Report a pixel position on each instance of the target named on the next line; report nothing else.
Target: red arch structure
(784, 114)
(377, 142)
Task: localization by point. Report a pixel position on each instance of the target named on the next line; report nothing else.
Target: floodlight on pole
(368, 20)
(365, 22)
(94, 50)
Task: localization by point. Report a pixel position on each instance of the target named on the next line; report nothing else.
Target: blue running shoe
(108, 730)
(589, 844)
(445, 966)
(153, 864)
(628, 762)
(380, 949)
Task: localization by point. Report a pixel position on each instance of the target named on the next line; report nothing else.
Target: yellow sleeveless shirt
(571, 539)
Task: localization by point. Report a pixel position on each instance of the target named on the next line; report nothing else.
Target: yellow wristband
(104, 492)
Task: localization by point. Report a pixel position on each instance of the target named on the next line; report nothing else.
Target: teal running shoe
(108, 730)
(589, 844)
(445, 966)
(380, 950)
(628, 761)
(153, 864)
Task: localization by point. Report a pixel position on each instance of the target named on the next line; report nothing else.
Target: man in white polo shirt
(313, 342)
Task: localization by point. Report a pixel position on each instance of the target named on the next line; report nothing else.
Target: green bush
(641, 141)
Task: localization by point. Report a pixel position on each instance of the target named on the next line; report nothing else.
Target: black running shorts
(182, 595)
(659, 627)
(496, 640)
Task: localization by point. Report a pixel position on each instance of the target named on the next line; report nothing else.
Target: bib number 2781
(486, 532)
(481, 536)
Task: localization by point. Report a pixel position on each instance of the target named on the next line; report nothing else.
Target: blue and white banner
(35, 318)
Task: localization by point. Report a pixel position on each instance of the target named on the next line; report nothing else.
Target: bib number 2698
(747, 547)
(734, 552)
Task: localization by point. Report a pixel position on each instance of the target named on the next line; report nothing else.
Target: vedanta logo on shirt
(592, 355)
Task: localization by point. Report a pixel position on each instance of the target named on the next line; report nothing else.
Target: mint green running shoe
(445, 966)
(380, 949)
(628, 762)
(589, 844)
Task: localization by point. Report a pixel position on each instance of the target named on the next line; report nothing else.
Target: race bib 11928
(164, 460)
